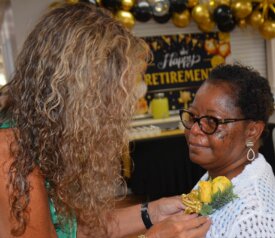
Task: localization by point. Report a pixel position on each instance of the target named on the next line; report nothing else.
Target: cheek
(222, 141)
(221, 135)
(224, 133)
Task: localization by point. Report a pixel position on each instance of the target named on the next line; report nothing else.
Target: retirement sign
(181, 63)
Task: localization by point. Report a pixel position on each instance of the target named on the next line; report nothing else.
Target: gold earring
(250, 153)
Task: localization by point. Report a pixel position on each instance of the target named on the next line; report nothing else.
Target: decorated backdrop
(180, 64)
(221, 15)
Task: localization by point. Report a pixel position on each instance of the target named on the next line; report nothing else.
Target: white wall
(26, 13)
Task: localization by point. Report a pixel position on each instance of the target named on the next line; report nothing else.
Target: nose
(195, 129)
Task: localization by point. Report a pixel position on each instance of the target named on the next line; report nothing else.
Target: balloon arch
(208, 14)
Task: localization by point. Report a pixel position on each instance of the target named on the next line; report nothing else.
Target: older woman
(72, 97)
(224, 128)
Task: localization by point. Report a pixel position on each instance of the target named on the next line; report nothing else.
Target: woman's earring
(250, 153)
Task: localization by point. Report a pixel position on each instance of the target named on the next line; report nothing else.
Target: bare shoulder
(40, 220)
(6, 139)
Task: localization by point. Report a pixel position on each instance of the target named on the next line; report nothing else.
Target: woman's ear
(254, 130)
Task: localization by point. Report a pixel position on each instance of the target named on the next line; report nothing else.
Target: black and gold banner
(181, 63)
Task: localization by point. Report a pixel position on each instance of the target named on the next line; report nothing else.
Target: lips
(196, 145)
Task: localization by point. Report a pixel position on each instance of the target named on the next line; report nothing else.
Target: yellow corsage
(210, 196)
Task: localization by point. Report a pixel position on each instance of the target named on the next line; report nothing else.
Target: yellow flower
(209, 197)
(205, 191)
(220, 183)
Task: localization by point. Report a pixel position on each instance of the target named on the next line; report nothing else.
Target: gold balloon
(126, 18)
(256, 19)
(241, 9)
(127, 4)
(215, 3)
(200, 13)
(55, 5)
(267, 29)
(181, 19)
(207, 26)
(192, 3)
(223, 2)
(72, 1)
(242, 23)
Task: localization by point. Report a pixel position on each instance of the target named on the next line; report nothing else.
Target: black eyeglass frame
(216, 120)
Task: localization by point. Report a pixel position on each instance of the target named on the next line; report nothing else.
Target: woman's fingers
(180, 226)
(200, 232)
(196, 222)
(192, 226)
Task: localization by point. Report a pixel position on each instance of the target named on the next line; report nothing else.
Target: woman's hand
(164, 207)
(180, 226)
(167, 217)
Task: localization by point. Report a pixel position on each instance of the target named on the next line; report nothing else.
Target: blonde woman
(72, 96)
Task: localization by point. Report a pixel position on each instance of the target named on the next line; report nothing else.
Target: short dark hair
(252, 91)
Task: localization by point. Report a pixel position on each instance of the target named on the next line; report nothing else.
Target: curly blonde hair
(73, 94)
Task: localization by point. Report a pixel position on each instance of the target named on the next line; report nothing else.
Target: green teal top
(5, 125)
(69, 229)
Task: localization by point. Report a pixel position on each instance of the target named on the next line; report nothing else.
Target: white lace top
(252, 215)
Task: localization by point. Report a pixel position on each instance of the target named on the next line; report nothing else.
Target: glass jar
(160, 106)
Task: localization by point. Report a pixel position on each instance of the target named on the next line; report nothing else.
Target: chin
(199, 157)
(196, 158)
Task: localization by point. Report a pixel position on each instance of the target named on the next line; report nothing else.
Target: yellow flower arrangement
(205, 191)
(210, 196)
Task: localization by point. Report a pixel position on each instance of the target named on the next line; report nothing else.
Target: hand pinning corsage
(210, 196)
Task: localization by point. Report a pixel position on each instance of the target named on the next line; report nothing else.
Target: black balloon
(178, 5)
(162, 19)
(223, 16)
(88, 1)
(111, 4)
(222, 13)
(226, 26)
(142, 11)
(271, 14)
(255, 5)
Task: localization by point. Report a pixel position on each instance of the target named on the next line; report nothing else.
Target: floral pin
(210, 196)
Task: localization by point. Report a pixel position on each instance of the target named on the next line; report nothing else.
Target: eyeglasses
(207, 124)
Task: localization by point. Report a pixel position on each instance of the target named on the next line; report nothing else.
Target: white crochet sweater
(252, 215)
